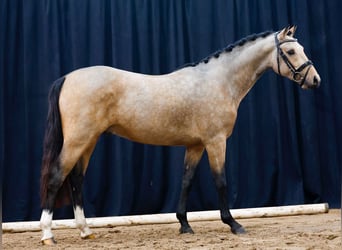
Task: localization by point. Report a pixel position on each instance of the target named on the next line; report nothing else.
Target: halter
(296, 73)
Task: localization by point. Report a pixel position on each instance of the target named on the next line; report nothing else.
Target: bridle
(296, 73)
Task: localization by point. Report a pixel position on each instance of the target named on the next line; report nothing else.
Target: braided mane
(230, 47)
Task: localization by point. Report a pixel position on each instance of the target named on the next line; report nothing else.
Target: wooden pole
(171, 217)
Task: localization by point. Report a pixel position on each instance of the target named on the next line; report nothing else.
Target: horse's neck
(238, 70)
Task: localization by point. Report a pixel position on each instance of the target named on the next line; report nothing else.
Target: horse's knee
(220, 179)
(54, 183)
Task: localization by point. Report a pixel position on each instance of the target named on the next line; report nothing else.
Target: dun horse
(195, 106)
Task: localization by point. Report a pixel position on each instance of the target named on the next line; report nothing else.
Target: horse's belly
(154, 136)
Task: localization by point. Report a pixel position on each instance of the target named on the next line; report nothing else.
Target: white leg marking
(81, 222)
(45, 224)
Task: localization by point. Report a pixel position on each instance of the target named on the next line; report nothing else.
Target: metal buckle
(297, 77)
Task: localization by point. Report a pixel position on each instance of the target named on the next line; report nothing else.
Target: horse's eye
(290, 52)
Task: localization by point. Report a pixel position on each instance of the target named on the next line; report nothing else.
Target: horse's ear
(283, 33)
(288, 31)
(291, 30)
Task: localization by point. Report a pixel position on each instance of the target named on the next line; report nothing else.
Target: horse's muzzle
(315, 83)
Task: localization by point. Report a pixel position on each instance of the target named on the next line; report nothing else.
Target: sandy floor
(321, 231)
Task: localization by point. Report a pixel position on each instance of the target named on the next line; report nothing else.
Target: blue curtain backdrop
(285, 148)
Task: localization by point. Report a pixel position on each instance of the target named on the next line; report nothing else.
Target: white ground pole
(245, 213)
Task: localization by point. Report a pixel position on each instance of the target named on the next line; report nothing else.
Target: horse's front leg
(216, 153)
(192, 157)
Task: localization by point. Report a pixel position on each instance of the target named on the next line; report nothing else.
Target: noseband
(296, 73)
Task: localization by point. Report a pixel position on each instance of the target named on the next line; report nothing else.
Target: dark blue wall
(286, 146)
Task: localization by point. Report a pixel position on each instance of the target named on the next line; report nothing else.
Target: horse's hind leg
(67, 160)
(192, 157)
(216, 153)
(54, 182)
(76, 182)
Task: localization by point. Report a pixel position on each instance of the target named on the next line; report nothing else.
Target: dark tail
(53, 143)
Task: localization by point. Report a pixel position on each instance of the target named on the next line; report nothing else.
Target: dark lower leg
(76, 182)
(226, 217)
(53, 185)
(192, 156)
(181, 211)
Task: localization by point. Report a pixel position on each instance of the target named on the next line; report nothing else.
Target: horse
(194, 106)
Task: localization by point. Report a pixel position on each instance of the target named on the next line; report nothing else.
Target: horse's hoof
(89, 237)
(186, 230)
(49, 242)
(238, 230)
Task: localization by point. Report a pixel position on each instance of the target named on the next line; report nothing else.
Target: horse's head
(290, 60)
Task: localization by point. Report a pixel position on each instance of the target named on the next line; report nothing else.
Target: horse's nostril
(316, 81)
